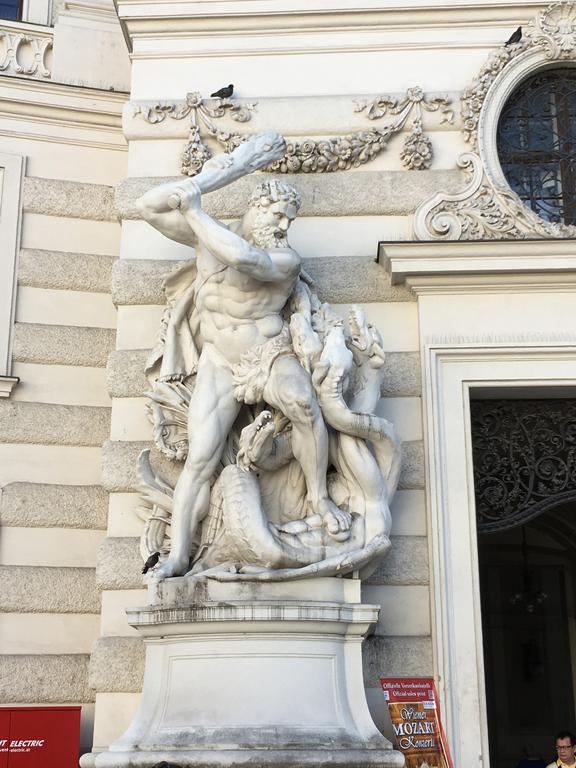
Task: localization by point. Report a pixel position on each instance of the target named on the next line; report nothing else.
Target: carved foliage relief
(337, 153)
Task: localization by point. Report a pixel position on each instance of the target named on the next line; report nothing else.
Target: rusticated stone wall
(53, 509)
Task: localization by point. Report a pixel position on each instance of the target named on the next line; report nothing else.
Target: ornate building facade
(434, 159)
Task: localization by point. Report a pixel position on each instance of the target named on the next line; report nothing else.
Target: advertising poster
(415, 715)
(39, 737)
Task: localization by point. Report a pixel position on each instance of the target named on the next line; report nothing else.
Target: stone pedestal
(267, 674)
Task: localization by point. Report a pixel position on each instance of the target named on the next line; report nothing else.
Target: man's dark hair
(566, 735)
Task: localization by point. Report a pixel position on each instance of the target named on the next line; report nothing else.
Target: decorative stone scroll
(487, 208)
(524, 459)
(267, 395)
(24, 54)
(338, 153)
(481, 211)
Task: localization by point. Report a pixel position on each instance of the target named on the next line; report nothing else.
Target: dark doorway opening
(525, 486)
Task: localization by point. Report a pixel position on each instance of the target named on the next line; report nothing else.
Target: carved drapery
(337, 153)
(487, 208)
(524, 455)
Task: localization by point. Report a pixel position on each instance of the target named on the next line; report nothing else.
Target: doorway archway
(524, 457)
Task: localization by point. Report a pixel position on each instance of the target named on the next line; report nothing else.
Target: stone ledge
(119, 465)
(62, 344)
(361, 193)
(396, 657)
(55, 197)
(35, 505)
(406, 563)
(125, 374)
(119, 563)
(65, 271)
(340, 279)
(44, 424)
(34, 589)
(117, 665)
(46, 679)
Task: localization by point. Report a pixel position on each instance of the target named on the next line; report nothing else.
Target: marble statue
(265, 393)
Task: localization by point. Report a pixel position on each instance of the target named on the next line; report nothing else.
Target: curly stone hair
(274, 191)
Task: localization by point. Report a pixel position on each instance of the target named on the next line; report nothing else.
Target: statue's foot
(293, 526)
(174, 566)
(336, 520)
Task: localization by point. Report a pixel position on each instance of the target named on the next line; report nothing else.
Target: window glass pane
(537, 142)
(9, 9)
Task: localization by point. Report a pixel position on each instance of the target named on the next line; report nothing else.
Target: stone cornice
(478, 266)
(262, 17)
(57, 103)
(69, 114)
(7, 384)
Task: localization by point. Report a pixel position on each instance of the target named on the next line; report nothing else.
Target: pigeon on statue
(151, 562)
(223, 93)
(515, 37)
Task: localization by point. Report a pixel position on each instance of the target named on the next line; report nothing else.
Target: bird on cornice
(223, 93)
(515, 37)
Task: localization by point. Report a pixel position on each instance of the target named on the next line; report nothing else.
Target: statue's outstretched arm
(156, 207)
(159, 206)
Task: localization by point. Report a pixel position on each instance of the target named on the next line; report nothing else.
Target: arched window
(536, 143)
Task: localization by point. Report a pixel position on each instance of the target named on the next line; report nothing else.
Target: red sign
(415, 714)
(39, 737)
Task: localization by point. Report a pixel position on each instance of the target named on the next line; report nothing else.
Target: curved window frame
(515, 73)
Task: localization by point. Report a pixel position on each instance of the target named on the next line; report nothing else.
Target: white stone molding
(488, 208)
(503, 265)
(64, 113)
(452, 372)
(11, 174)
(276, 21)
(25, 50)
(290, 654)
(307, 155)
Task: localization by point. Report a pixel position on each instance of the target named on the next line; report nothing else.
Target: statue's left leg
(289, 389)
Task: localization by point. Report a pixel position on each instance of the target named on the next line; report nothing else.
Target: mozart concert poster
(415, 715)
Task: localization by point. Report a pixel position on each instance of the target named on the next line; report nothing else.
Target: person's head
(564, 742)
(272, 207)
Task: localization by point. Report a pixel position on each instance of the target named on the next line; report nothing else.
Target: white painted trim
(11, 174)
(450, 374)
(7, 384)
(37, 11)
(496, 265)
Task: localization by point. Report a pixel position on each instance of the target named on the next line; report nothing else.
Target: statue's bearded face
(270, 224)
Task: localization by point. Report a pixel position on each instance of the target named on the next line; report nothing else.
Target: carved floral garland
(338, 153)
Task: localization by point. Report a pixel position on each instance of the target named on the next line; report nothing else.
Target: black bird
(515, 37)
(151, 562)
(223, 93)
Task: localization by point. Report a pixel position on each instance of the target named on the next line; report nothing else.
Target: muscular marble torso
(236, 311)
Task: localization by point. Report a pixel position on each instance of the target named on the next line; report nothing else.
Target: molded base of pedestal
(272, 758)
(260, 676)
